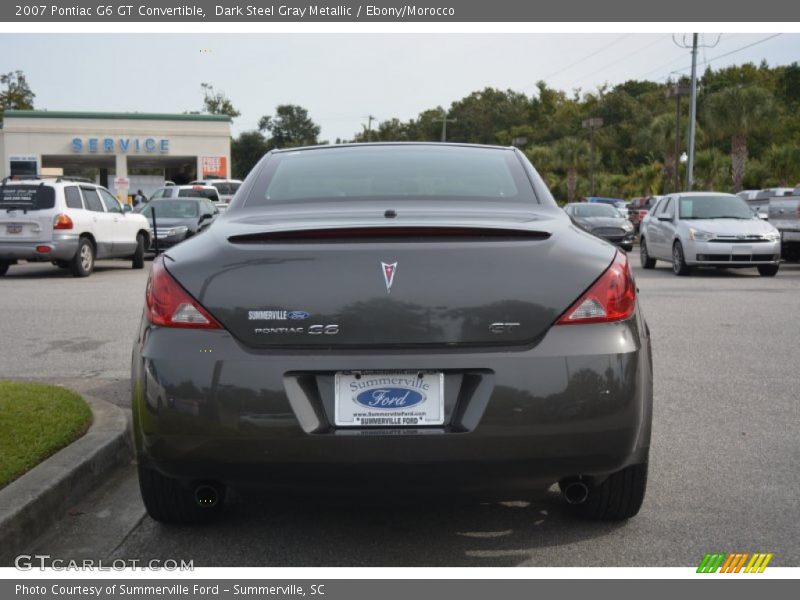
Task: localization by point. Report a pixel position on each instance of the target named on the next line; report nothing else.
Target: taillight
(62, 221)
(611, 298)
(169, 305)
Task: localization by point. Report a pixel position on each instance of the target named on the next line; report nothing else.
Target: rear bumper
(580, 402)
(62, 247)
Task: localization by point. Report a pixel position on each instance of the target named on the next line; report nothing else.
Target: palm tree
(736, 112)
(711, 168)
(571, 154)
(661, 137)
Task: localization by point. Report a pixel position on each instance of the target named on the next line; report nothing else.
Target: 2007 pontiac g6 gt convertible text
(415, 316)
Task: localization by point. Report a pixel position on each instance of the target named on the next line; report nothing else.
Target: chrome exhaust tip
(575, 492)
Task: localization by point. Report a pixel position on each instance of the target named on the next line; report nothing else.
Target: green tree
(246, 151)
(16, 94)
(783, 162)
(571, 154)
(711, 169)
(216, 103)
(290, 127)
(737, 112)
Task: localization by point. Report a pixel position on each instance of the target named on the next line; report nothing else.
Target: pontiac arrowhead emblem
(389, 270)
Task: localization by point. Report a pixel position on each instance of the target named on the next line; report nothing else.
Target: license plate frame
(394, 402)
(14, 228)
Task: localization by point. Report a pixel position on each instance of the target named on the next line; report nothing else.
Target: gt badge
(389, 270)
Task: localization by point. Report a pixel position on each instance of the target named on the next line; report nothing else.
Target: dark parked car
(639, 207)
(177, 219)
(604, 221)
(403, 317)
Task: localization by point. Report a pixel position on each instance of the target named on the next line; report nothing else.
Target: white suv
(227, 188)
(69, 223)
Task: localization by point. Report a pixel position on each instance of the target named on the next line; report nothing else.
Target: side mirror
(205, 217)
(126, 208)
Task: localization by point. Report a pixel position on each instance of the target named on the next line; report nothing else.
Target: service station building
(122, 151)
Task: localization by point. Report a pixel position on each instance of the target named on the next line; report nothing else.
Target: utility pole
(370, 119)
(692, 117)
(692, 103)
(591, 125)
(445, 121)
(676, 92)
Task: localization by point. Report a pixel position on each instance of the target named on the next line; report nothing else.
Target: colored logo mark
(736, 562)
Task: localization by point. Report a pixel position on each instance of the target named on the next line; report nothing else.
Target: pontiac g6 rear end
(420, 316)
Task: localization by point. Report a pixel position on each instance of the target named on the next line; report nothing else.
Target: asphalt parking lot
(723, 473)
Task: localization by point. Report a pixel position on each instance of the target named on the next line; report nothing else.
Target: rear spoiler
(378, 234)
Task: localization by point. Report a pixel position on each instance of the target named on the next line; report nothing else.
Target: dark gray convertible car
(417, 317)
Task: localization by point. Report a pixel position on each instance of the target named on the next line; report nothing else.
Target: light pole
(692, 117)
(591, 125)
(445, 121)
(676, 92)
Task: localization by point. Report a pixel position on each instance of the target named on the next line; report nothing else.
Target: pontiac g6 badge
(389, 270)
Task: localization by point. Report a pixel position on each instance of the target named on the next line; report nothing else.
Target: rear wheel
(618, 498)
(138, 256)
(679, 266)
(4, 267)
(768, 270)
(168, 501)
(644, 256)
(82, 264)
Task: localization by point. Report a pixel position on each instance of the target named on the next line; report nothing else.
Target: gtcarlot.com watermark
(27, 562)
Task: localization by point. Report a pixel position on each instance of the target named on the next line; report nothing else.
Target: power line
(580, 60)
(619, 60)
(710, 60)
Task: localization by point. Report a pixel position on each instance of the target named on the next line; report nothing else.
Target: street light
(676, 92)
(591, 125)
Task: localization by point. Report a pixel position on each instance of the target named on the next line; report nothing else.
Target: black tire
(82, 264)
(618, 498)
(4, 267)
(679, 266)
(768, 270)
(138, 257)
(169, 501)
(644, 256)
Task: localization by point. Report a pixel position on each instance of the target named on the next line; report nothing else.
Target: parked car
(784, 214)
(759, 200)
(603, 221)
(226, 187)
(392, 316)
(69, 223)
(617, 203)
(638, 208)
(177, 219)
(209, 192)
(708, 229)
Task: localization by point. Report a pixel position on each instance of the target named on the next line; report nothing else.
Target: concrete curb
(32, 503)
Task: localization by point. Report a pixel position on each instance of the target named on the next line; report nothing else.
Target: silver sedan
(708, 229)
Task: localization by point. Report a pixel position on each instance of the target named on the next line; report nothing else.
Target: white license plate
(741, 250)
(14, 228)
(389, 398)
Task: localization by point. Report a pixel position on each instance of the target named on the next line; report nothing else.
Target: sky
(343, 78)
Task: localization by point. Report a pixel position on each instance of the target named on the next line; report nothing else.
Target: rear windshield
(199, 193)
(177, 209)
(595, 210)
(227, 188)
(415, 172)
(714, 207)
(27, 197)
